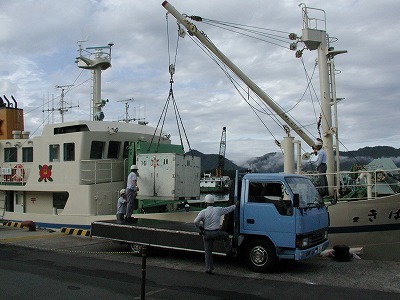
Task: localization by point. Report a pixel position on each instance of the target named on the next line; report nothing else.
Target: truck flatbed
(155, 233)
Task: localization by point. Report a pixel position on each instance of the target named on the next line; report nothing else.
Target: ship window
(10, 154)
(113, 149)
(71, 129)
(97, 150)
(125, 152)
(27, 154)
(69, 151)
(54, 153)
(60, 199)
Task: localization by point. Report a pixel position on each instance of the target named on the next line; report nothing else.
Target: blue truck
(280, 216)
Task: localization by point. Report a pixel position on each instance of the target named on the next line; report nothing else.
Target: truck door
(268, 211)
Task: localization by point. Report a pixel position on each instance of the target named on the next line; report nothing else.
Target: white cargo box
(168, 176)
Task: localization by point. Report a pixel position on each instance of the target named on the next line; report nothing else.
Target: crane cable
(236, 85)
(261, 34)
(265, 35)
(178, 118)
(254, 32)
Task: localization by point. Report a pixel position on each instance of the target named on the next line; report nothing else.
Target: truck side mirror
(296, 200)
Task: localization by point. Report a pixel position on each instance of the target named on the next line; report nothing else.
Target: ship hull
(365, 222)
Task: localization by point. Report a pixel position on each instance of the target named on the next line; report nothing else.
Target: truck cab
(281, 216)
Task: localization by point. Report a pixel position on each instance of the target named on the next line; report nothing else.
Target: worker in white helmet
(131, 193)
(121, 206)
(208, 221)
(321, 168)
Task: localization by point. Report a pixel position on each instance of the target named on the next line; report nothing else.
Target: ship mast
(314, 36)
(96, 59)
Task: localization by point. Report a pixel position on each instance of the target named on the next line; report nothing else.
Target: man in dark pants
(321, 168)
(131, 193)
(208, 221)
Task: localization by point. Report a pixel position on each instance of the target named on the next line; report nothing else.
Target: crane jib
(255, 88)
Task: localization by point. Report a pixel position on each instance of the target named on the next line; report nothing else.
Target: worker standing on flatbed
(208, 221)
(131, 193)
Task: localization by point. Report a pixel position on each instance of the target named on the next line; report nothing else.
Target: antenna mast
(63, 109)
(127, 118)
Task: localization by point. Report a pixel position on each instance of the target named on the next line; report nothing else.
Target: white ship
(214, 184)
(70, 175)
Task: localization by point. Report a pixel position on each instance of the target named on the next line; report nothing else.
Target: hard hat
(121, 192)
(318, 143)
(209, 198)
(134, 167)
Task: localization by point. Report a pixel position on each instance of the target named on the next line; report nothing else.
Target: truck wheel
(261, 255)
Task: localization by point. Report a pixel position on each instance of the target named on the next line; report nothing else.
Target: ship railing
(314, 18)
(362, 184)
(102, 171)
(14, 173)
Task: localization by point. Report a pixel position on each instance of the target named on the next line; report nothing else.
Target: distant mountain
(365, 155)
(273, 162)
(270, 162)
(374, 152)
(209, 162)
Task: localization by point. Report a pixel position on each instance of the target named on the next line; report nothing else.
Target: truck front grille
(313, 238)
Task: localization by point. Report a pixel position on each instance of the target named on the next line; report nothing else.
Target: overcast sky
(38, 46)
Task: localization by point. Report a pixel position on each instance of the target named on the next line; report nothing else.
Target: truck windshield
(308, 194)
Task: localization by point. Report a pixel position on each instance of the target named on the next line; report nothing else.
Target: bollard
(30, 224)
(143, 290)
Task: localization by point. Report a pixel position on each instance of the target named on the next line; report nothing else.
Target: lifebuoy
(18, 173)
(380, 176)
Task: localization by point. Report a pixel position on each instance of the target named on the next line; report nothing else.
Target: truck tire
(260, 255)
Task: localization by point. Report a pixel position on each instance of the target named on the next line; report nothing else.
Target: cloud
(38, 42)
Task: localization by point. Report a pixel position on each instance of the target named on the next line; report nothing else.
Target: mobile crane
(221, 155)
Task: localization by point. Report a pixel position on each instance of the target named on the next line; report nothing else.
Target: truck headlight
(302, 242)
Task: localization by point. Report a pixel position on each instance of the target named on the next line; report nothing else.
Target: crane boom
(221, 156)
(255, 88)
